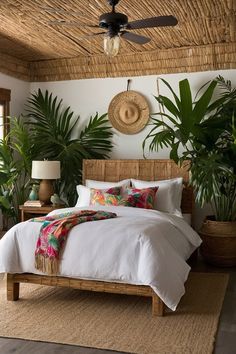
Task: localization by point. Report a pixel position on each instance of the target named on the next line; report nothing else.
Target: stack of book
(33, 203)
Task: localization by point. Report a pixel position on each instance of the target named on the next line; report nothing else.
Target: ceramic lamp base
(46, 190)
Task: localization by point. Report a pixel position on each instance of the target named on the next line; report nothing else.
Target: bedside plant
(8, 177)
(57, 136)
(51, 132)
(15, 166)
(206, 133)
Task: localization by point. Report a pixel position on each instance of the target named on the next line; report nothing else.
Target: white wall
(94, 95)
(86, 97)
(19, 93)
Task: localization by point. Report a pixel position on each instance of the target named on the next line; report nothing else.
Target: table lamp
(47, 171)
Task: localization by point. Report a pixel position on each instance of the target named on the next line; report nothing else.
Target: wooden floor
(226, 335)
(225, 340)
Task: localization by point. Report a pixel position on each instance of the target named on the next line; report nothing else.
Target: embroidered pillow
(99, 197)
(142, 198)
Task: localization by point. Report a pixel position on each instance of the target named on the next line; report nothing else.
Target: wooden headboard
(148, 170)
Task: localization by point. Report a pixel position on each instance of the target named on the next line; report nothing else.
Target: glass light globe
(111, 45)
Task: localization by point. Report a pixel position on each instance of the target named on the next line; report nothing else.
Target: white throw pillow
(125, 183)
(83, 196)
(169, 194)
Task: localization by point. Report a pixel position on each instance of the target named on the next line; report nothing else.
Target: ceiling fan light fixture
(116, 25)
(111, 45)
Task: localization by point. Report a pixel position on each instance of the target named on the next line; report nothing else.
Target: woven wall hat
(128, 112)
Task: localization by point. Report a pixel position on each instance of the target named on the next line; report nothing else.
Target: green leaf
(201, 106)
(4, 202)
(174, 152)
(178, 103)
(186, 104)
(173, 120)
(168, 104)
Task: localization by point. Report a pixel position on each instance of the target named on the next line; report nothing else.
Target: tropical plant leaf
(5, 202)
(167, 103)
(186, 105)
(177, 101)
(201, 106)
(171, 119)
(160, 140)
(96, 136)
(15, 166)
(174, 152)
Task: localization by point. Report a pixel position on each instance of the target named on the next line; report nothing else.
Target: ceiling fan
(116, 26)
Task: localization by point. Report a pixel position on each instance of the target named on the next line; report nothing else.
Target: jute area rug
(116, 322)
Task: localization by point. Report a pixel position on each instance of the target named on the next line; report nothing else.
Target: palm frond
(96, 136)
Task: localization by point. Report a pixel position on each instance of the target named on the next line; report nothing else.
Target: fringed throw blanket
(53, 235)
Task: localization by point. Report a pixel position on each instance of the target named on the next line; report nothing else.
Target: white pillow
(169, 194)
(125, 183)
(83, 196)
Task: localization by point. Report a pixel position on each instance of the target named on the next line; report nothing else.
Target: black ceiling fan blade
(136, 38)
(159, 21)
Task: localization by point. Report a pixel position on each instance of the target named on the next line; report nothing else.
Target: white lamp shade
(46, 169)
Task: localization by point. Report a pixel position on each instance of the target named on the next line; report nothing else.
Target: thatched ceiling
(27, 35)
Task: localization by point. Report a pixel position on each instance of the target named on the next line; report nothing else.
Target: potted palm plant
(51, 132)
(205, 132)
(57, 136)
(15, 166)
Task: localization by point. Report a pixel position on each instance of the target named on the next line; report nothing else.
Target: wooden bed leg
(158, 306)
(13, 288)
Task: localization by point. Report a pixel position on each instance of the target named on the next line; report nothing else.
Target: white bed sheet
(143, 247)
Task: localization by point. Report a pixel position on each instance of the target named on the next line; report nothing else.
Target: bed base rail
(14, 280)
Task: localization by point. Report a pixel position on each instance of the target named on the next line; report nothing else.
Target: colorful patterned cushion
(142, 198)
(84, 194)
(112, 190)
(99, 197)
(133, 197)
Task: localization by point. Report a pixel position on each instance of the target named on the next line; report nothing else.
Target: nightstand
(28, 212)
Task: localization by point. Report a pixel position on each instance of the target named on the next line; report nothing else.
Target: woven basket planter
(219, 242)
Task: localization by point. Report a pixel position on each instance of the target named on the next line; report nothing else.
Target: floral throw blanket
(54, 232)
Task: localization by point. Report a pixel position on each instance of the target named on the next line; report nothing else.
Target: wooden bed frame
(114, 170)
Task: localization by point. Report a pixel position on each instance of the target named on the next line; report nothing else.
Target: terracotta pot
(219, 242)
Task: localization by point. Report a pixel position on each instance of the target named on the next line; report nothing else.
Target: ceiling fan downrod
(113, 3)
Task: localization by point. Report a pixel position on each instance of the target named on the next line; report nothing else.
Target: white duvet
(140, 246)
